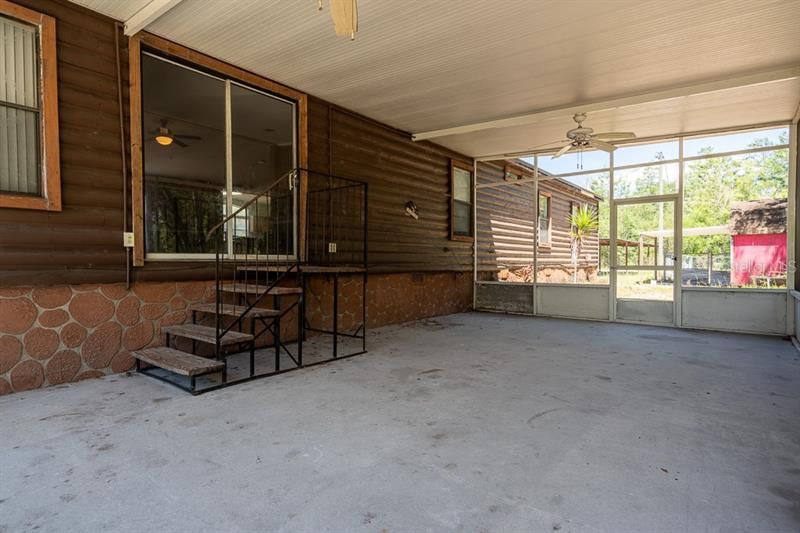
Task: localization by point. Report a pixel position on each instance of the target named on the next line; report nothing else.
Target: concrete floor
(472, 422)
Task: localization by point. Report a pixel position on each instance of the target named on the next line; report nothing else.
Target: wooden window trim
(463, 165)
(549, 196)
(50, 199)
(193, 57)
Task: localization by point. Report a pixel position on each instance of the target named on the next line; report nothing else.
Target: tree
(583, 222)
(711, 185)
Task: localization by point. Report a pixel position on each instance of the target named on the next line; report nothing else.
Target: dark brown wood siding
(397, 170)
(506, 219)
(83, 242)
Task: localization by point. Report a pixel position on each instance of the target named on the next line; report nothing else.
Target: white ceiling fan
(584, 137)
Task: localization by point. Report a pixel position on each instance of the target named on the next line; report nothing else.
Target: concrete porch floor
(471, 422)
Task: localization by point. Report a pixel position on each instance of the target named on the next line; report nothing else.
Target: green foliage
(583, 221)
(710, 187)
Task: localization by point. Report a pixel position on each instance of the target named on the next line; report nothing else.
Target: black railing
(254, 248)
(255, 245)
(335, 221)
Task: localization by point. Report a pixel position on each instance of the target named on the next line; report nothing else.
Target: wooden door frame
(144, 40)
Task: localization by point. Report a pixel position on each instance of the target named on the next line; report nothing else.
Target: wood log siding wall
(83, 242)
(506, 219)
(397, 170)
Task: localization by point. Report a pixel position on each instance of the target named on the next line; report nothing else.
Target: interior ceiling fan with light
(165, 136)
(584, 138)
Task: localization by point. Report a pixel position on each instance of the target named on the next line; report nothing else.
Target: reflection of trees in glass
(180, 217)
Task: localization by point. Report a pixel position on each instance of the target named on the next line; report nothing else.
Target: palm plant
(583, 221)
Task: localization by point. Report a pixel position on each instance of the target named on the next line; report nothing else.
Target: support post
(276, 335)
(253, 347)
(301, 319)
(335, 315)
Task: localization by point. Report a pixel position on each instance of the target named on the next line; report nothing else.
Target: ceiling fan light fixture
(164, 139)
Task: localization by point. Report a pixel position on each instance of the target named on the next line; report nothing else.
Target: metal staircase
(260, 284)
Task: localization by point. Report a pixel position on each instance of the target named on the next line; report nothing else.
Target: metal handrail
(250, 202)
(267, 250)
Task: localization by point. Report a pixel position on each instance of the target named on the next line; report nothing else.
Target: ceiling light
(164, 139)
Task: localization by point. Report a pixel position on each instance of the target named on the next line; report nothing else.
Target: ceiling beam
(622, 101)
(147, 15)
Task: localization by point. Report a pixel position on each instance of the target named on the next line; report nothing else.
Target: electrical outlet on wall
(127, 239)
(331, 247)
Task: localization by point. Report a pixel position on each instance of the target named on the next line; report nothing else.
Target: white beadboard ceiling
(118, 9)
(423, 65)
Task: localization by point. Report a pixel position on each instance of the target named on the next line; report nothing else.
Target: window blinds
(19, 108)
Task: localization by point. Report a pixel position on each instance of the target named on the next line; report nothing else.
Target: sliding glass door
(210, 146)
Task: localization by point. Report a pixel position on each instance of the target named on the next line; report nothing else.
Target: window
(544, 219)
(735, 210)
(461, 200)
(29, 158)
(210, 146)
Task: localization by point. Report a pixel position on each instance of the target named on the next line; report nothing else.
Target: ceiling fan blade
(615, 135)
(563, 151)
(195, 137)
(179, 142)
(561, 142)
(602, 145)
(345, 17)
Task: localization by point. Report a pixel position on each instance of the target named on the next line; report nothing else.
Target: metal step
(310, 269)
(235, 310)
(265, 268)
(250, 288)
(179, 362)
(207, 334)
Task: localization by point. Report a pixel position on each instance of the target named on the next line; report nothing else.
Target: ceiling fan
(584, 137)
(165, 136)
(345, 17)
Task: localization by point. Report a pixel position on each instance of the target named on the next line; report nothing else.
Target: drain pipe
(117, 28)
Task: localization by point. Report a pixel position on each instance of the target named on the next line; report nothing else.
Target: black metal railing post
(218, 295)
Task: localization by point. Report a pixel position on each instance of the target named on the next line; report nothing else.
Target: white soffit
(755, 104)
(119, 9)
(427, 65)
